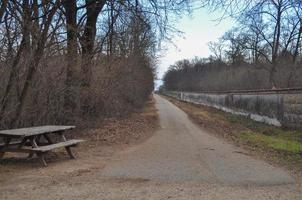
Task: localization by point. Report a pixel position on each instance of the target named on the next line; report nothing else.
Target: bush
(118, 87)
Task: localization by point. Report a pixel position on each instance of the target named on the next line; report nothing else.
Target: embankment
(279, 108)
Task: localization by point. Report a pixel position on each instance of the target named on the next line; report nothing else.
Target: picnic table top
(31, 131)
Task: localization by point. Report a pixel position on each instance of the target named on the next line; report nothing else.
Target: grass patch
(277, 138)
(273, 142)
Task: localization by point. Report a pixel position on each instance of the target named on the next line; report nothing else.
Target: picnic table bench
(37, 140)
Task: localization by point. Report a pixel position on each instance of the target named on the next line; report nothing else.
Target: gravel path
(180, 151)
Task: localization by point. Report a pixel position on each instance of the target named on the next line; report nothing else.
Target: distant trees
(269, 31)
(65, 59)
(216, 75)
(265, 44)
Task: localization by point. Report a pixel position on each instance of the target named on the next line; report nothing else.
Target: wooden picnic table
(37, 140)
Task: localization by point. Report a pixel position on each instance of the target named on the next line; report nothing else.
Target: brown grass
(132, 128)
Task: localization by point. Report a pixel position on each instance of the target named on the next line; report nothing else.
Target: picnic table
(37, 140)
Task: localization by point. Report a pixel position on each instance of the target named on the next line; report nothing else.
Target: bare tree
(3, 7)
(55, 56)
(72, 76)
(37, 55)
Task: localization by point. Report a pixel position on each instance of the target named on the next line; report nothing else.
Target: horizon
(198, 29)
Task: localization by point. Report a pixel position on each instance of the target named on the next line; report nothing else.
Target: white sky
(199, 29)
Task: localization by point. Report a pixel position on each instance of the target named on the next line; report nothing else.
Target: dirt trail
(179, 161)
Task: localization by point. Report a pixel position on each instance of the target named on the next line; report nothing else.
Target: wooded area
(63, 61)
(263, 51)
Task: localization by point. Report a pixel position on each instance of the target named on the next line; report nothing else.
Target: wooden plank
(10, 144)
(15, 150)
(31, 131)
(57, 145)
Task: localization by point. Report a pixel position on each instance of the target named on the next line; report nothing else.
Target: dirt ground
(100, 144)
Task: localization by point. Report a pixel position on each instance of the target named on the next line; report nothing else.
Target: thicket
(67, 61)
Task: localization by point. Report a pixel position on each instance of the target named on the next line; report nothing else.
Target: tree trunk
(12, 75)
(34, 62)
(93, 9)
(296, 52)
(71, 82)
(111, 29)
(25, 45)
(277, 33)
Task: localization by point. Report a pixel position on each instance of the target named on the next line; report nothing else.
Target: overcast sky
(199, 29)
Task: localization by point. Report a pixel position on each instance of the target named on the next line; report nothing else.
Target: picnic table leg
(34, 145)
(68, 149)
(42, 159)
(40, 155)
(6, 144)
(23, 142)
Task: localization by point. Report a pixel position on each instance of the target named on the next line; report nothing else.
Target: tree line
(62, 61)
(262, 51)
